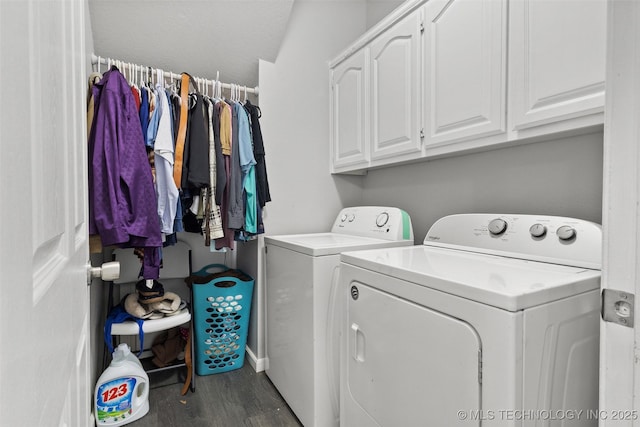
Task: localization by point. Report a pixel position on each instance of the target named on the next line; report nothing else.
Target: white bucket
(122, 391)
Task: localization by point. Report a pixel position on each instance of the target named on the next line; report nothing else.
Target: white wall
(561, 177)
(378, 9)
(294, 99)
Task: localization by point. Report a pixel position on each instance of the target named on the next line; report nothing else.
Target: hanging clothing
(225, 128)
(154, 120)
(166, 189)
(122, 198)
(93, 79)
(198, 156)
(220, 132)
(227, 240)
(235, 209)
(211, 179)
(143, 111)
(262, 183)
(136, 97)
(247, 168)
(222, 129)
(95, 244)
(212, 224)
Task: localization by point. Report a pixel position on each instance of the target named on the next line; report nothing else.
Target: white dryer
(493, 321)
(301, 272)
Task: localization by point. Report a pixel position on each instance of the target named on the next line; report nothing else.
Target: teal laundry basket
(221, 308)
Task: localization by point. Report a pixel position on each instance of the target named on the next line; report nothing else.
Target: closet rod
(168, 74)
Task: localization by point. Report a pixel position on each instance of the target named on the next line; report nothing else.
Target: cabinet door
(349, 123)
(465, 76)
(395, 90)
(556, 60)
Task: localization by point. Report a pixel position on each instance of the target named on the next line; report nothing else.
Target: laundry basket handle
(205, 270)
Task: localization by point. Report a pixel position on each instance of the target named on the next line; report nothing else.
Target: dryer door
(407, 365)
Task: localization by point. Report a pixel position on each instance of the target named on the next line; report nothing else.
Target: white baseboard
(258, 365)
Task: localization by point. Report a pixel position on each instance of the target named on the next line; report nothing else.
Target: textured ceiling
(196, 36)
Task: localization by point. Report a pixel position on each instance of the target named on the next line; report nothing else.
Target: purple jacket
(122, 197)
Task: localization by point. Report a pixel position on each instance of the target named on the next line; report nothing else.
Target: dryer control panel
(388, 223)
(559, 240)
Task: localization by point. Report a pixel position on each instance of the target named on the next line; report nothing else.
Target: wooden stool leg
(187, 358)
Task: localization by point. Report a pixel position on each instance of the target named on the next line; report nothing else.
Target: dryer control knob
(343, 218)
(566, 232)
(538, 230)
(351, 217)
(497, 226)
(382, 219)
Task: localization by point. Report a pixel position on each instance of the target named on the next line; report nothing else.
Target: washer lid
(507, 283)
(319, 244)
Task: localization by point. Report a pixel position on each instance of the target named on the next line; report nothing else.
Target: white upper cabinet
(395, 91)
(465, 47)
(557, 62)
(442, 77)
(349, 113)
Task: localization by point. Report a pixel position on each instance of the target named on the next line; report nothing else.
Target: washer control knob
(566, 232)
(343, 218)
(382, 219)
(497, 226)
(351, 217)
(538, 230)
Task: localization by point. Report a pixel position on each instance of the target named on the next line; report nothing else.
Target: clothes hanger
(218, 92)
(169, 87)
(132, 71)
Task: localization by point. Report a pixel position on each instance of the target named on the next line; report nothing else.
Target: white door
(44, 357)
(619, 352)
(465, 69)
(395, 90)
(349, 109)
(556, 60)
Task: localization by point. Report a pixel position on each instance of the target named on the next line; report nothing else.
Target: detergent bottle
(122, 391)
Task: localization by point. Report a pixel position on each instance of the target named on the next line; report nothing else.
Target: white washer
(301, 362)
(493, 321)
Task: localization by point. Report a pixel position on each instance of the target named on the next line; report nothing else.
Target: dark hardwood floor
(241, 398)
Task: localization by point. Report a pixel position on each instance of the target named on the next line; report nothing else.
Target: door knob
(108, 271)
